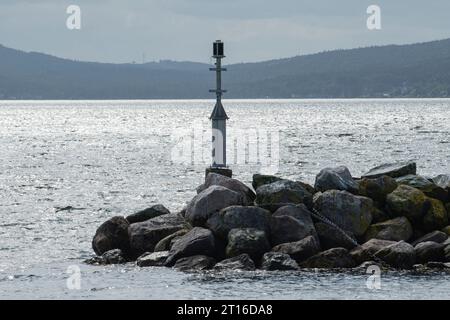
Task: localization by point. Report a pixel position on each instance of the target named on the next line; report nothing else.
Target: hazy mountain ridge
(417, 70)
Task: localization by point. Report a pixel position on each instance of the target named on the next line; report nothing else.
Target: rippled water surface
(65, 167)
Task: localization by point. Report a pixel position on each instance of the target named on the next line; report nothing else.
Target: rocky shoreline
(390, 216)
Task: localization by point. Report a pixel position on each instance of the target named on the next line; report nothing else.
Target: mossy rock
(407, 202)
(436, 217)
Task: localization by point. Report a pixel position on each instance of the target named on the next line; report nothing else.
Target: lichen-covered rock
(429, 251)
(377, 188)
(408, 202)
(366, 251)
(338, 178)
(263, 179)
(195, 263)
(112, 234)
(395, 230)
(349, 212)
(393, 170)
(209, 201)
(250, 241)
(330, 237)
(166, 243)
(239, 217)
(280, 193)
(436, 216)
(299, 250)
(398, 255)
(427, 186)
(284, 229)
(147, 214)
(198, 241)
(278, 261)
(114, 256)
(435, 236)
(240, 262)
(214, 179)
(154, 259)
(332, 259)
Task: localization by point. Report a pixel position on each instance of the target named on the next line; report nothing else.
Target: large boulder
(299, 212)
(112, 234)
(429, 251)
(443, 181)
(154, 259)
(214, 179)
(436, 216)
(299, 250)
(377, 188)
(114, 256)
(210, 200)
(284, 229)
(195, 263)
(435, 236)
(240, 262)
(351, 213)
(330, 259)
(280, 193)
(145, 235)
(395, 230)
(408, 202)
(250, 241)
(147, 214)
(263, 179)
(427, 186)
(239, 217)
(278, 261)
(393, 170)
(338, 178)
(366, 251)
(198, 241)
(398, 255)
(166, 243)
(330, 237)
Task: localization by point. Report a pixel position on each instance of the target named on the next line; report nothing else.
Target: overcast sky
(254, 30)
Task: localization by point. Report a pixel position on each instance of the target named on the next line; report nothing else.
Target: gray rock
(366, 251)
(436, 217)
(349, 212)
(114, 256)
(330, 237)
(214, 179)
(149, 213)
(299, 250)
(378, 188)
(393, 170)
(447, 250)
(428, 187)
(195, 263)
(112, 234)
(331, 259)
(429, 251)
(278, 261)
(395, 230)
(398, 255)
(235, 217)
(407, 202)
(240, 262)
(209, 201)
(251, 241)
(284, 229)
(155, 259)
(280, 193)
(338, 178)
(198, 241)
(166, 243)
(262, 179)
(435, 236)
(443, 181)
(299, 212)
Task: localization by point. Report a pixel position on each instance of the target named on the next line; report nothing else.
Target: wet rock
(437, 265)
(112, 234)
(423, 184)
(366, 251)
(429, 251)
(338, 178)
(147, 214)
(393, 170)
(166, 243)
(408, 202)
(284, 229)
(235, 217)
(435, 236)
(378, 188)
(240, 262)
(395, 230)
(446, 229)
(398, 255)
(195, 263)
(155, 259)
(214, 179)
(280, 193)
(299, 250)
(278, 261)
(332, 259)
(349, 212)
(447, 250)
(250, 241)
(210, 200)
(114, 256)
(330, 237)
(436, 216)
(198, 241)
(263, 179)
